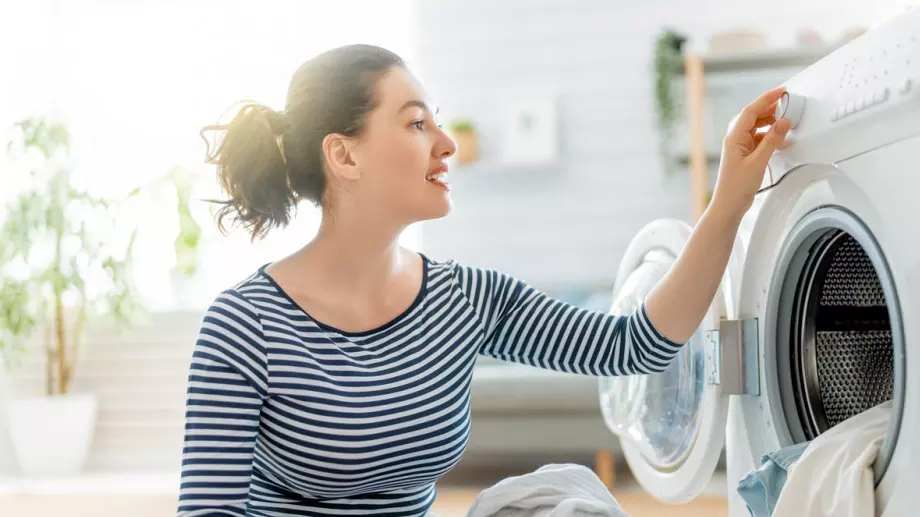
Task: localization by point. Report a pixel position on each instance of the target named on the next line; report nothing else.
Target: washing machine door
(671, 425)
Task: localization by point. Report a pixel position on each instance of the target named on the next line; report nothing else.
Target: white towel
(561, 490)
(834, 476)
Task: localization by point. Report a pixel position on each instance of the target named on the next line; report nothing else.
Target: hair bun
(276, 120)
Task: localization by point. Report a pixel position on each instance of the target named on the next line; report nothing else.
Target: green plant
(61, 263)
(462, 125)
(188, 238)
(667, 65)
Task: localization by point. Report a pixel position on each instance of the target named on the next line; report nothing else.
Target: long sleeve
(227, 383)
(526, 326)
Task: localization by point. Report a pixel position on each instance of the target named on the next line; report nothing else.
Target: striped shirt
(289, 416)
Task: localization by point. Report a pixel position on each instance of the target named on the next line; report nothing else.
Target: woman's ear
(338, 151)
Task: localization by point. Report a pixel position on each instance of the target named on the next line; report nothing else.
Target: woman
(336, 381)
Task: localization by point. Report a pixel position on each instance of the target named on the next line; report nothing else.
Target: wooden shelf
(762, 59)
(684, 159)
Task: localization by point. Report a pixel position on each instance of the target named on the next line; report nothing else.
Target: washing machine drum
(840, 350)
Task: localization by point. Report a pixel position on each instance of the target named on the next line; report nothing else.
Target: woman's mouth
(439, 179)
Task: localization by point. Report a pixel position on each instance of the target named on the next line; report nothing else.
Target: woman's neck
(357, 254)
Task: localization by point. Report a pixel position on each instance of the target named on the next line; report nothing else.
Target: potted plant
(667, 66)
(61, 266)
(188, 238)
(464, 134)
(187, 244)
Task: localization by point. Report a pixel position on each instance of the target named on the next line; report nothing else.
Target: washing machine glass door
(671, 425)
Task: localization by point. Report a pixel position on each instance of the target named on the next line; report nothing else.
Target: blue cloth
(761, 488)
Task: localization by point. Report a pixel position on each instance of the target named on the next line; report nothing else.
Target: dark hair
(267, 160)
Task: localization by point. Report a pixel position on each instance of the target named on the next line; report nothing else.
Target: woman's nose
(447, 147)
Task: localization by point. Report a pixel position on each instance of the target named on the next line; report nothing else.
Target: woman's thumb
(772, 140)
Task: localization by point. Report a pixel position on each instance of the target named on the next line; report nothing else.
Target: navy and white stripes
(288, 416)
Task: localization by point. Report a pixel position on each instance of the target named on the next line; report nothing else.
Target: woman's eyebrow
(418, 104)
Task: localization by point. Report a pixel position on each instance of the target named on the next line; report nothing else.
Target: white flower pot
(52, 435)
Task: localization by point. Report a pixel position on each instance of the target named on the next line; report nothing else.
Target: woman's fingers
(766, 120)
(759, 109)
(770, 141)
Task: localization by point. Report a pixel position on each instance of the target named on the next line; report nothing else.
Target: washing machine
(818, 315)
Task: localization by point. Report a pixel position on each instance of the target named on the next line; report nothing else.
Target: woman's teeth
(440, 178)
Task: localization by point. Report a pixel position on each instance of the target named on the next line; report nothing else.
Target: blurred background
(578, 121)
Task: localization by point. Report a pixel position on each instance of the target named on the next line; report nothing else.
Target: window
(135, 81)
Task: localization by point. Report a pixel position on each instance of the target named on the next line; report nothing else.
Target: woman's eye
(419, 124)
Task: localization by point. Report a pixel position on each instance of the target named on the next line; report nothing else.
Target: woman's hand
(746, 151)
(678, 304)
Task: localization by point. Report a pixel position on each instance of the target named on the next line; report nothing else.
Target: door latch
(732, 357)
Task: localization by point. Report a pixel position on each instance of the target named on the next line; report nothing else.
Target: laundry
(834, 475)
(556, 490)
(761, 488)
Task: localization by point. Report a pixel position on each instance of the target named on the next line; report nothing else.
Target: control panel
(864, 95)
(866, 101)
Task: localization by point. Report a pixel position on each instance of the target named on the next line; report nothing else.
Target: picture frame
(530, 129)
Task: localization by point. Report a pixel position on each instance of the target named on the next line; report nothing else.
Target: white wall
(26, 49)
(25, 52)
(568, 226)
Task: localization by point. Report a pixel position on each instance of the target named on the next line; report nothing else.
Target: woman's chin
(442, 208)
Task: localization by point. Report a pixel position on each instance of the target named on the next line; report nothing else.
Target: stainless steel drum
(839, 342)
(845, 358)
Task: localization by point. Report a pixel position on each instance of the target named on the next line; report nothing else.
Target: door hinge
(732, 357)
